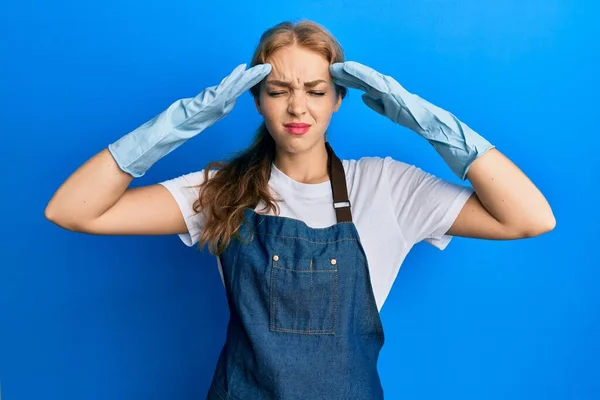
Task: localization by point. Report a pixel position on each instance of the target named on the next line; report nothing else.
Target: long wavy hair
(243, 181)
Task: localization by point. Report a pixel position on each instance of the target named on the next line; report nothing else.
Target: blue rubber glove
(137, 151)
(458, 144)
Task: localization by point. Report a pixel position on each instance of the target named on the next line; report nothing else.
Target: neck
(306, 167)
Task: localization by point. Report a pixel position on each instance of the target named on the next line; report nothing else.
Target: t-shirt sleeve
(185, 190)
(425, 206)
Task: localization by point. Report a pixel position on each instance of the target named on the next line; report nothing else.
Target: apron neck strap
(337, 176)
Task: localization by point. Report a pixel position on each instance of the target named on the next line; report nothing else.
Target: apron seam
(307, 240)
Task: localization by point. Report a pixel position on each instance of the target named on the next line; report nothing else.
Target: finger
(368, 75)
(233, 76)
(342, 78)
(374, 104)
(250, 78)
(256, 74)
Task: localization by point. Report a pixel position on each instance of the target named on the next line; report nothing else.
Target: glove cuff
(460, 149)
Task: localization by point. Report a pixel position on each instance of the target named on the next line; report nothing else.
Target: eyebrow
(311, 84)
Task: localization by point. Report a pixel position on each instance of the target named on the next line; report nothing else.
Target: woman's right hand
(137, 151)
(96, 199)
(191, 116)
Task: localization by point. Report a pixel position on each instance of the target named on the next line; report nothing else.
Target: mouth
(297, 128)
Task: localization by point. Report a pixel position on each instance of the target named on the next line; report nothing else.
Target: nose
(297, 103)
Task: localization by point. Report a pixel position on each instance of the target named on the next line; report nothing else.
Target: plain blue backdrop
(89, 317)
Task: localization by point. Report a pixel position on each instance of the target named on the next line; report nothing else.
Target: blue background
(89, 317)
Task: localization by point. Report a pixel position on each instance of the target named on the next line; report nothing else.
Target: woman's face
(299, 89)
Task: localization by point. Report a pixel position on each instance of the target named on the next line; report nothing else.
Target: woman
(308, 245)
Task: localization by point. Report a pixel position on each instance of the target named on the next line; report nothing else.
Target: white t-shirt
(394, 206)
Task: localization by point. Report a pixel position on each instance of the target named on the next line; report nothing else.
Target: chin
(296, 144)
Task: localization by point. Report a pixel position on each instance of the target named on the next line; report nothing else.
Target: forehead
(294, 63)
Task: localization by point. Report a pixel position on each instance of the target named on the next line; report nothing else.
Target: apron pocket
(304, 295)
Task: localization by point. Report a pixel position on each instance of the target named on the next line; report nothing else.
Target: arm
(505, 205)
(95, 199)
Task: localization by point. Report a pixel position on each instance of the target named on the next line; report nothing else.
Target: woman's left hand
(457, 143)
(514, 207)
(382, 94)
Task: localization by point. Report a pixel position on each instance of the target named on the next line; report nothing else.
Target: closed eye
(314, 93)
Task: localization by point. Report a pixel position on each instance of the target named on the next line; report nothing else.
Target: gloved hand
(137, 151)
(458, 144)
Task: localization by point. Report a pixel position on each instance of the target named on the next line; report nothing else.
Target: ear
(338, 103)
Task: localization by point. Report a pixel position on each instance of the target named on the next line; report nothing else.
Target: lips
(296, 125)
(296, 128)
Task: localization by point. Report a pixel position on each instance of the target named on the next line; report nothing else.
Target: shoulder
(188, 180)
(186, 188)
(371, 167)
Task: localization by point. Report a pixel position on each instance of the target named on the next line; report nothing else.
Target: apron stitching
(273, 294)
(372, 302)
(273, 299)
(310, 297)
(304, 271)
(307, 240)
(327, 332)
(335, 299)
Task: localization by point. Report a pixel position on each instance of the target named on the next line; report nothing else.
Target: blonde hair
(243, 181)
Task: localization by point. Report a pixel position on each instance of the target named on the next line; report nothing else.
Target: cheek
(270, 110)
(268, 106)
(321, 106)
